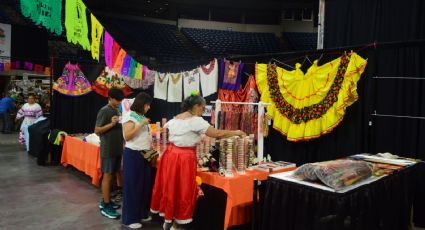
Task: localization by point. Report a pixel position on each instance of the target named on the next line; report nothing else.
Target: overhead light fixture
(148, 1)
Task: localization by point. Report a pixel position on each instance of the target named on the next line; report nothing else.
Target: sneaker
(149, 218)
(114, 205)
(134, 226)
(110, 212)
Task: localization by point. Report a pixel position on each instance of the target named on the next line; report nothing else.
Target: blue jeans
(7, 123)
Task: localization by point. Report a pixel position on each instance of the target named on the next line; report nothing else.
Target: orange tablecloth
(83, 156)
(239, 190)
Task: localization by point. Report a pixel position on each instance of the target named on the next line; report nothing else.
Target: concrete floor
(53, 197)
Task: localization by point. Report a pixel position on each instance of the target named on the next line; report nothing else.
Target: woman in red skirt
(175, 191)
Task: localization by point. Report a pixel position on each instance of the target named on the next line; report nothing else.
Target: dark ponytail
(191, 101)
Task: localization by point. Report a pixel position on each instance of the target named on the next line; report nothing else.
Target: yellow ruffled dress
(306, 106)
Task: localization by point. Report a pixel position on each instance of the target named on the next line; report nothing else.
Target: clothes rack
(260, 135)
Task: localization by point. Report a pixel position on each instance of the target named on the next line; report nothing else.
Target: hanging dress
(230, 73)
(109, 79)
(306, 106)
(160, 87)
(175, 87)
(72, 82)
(209, 78)
(190, 82)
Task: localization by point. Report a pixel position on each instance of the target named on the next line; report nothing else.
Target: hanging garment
(160, 87)
(231, 72)
(108, 43)
(175, 87)
(109, 79)
(306, 106)
(190, 82)
(246, 114)
(96, 35)
(209, 78)
(76, 23)
(72, 82)
(44, 12)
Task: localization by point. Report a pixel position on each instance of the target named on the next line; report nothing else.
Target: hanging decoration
(209, 78)
(96, 35)
(125, 69)
(76, 23)
(72, 82)
(306, 106)
(119, 60)
(175, 87)
(44, 12)
(108, 43)
(109, 79)
(190, 82)
(231, 74)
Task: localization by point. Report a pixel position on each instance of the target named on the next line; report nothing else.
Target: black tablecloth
(383, 204)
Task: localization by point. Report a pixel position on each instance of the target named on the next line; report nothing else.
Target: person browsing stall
(175, 191)
(138, 155)
(111, 148)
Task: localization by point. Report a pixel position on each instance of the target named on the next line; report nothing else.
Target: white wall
(213, 25)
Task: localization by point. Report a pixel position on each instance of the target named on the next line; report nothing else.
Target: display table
(239, 190)
(83, 156)
(383, 204)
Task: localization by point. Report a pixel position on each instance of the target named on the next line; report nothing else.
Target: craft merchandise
(76, 23)
(72, 82)
(44, 12)
(160, 87)
(190, 82)
(109, 79)
(209, 78)
(175, 87)
(336, 174)
(306, 106)
(96, 35)
(230, 72)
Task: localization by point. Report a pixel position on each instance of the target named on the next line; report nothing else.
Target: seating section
(156, 40)
(302, 41)
(221, 43)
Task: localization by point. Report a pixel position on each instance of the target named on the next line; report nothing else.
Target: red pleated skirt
(175, 191)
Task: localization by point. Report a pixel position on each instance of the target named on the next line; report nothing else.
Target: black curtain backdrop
(354, 23)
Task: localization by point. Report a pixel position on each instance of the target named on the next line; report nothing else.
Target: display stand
(260, 110)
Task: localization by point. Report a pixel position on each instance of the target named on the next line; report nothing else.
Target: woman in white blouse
(175, 191)
(136, 163)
